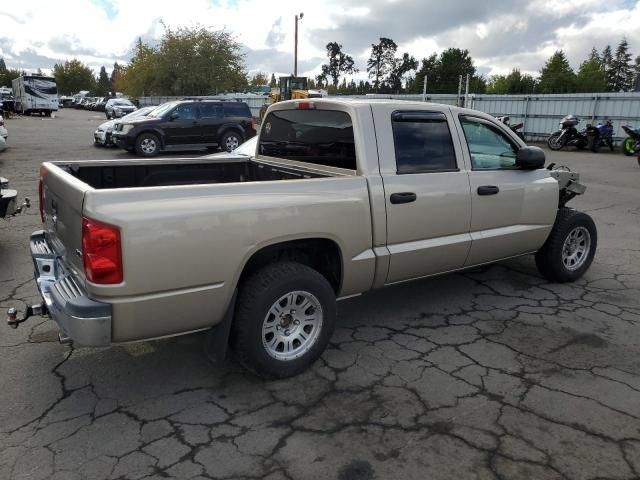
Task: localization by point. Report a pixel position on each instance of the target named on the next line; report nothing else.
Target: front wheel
(556, 141)
(569, 250)
(147, 145)
(627, 146)
(285, 317)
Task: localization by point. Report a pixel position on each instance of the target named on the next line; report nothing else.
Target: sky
(499, 34)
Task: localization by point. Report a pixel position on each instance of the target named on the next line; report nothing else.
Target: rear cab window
(321, 137)
(423, 142)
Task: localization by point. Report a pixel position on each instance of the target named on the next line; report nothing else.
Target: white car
(102, 135)
(3, 131)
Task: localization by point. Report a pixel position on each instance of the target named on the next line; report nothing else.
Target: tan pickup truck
(340, 197)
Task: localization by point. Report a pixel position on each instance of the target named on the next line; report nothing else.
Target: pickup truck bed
(166, 172)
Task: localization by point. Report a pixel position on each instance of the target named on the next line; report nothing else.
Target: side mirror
(530, 158)
(174, 116)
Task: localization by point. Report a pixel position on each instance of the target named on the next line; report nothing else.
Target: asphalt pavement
(492, 373)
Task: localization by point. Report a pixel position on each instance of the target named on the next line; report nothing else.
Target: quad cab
(340, 197)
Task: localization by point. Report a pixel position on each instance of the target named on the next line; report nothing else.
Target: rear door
(426, 189)
(210, 121)
(182, 126)
(513, 209)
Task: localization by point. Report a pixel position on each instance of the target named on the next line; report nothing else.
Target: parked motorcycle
(631, 144)
(568, 135)
(514, 128)
(600, 135)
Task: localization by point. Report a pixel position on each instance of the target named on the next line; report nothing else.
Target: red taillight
(101, 252)
(43, 170)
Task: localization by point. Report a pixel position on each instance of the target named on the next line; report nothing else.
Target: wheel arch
(323, 254)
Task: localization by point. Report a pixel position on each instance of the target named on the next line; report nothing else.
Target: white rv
(35, 94)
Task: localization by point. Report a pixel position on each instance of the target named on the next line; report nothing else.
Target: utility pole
(466, 92)
(459, 90)
(295, 50)
(424, 89)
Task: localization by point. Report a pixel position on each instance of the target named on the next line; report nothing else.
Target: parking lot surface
(492, 373)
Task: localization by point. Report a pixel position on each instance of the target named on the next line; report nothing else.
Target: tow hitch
(32, 310)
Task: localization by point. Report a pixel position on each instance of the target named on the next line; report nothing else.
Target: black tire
(549, 259)
(107, 115)
(258, 296)
(594, 144)
(627, 146)
(612, 147)
(231, 139)
(554, 144)
(147, 145)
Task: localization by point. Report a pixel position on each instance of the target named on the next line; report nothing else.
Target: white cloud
(500, 34)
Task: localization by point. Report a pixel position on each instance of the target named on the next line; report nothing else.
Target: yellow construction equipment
(290, 88)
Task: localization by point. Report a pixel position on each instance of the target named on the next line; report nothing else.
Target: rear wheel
(285, 317)
(556, 142)
(231, 140)
(569, 250)
(627, 146)
(147, 145)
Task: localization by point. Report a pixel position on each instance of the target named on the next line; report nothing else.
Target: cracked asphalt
(488, 374)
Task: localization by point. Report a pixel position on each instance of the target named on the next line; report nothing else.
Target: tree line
(198, 61)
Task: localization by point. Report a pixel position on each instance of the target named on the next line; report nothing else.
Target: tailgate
(63, 196)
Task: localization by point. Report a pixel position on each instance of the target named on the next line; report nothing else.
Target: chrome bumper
(84, 321)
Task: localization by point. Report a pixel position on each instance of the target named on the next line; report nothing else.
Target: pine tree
(273, 83)
(3, 66)
(620, 75)
(606, 58)
(557, 76)
(104, 83)
(591, 74)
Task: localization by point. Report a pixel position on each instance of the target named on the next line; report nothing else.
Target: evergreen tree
(401, 66)
(620, 75)
(104, 83)
(339, 63)
(381, 61)
(591, 74)
(606, 59)
(273, 83)
(557, 76)
(428, 68)
(3, 67)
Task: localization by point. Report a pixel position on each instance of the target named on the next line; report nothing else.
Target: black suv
(187, 124)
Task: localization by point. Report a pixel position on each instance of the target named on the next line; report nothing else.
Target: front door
(426, 193)
(182, 126)
(513, 209)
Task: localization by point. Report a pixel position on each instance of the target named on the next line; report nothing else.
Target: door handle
(488, 190)
(403, 197)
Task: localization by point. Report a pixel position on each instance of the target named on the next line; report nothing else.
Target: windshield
(162, 109)
(143, 112)
(125, 103)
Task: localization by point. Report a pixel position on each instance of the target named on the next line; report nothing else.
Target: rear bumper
(85, 321)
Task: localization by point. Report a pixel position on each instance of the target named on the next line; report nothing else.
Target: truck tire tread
(549, 257)
(258, 293)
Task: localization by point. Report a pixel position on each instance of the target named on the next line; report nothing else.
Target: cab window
(422, 142)
(489, 148)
